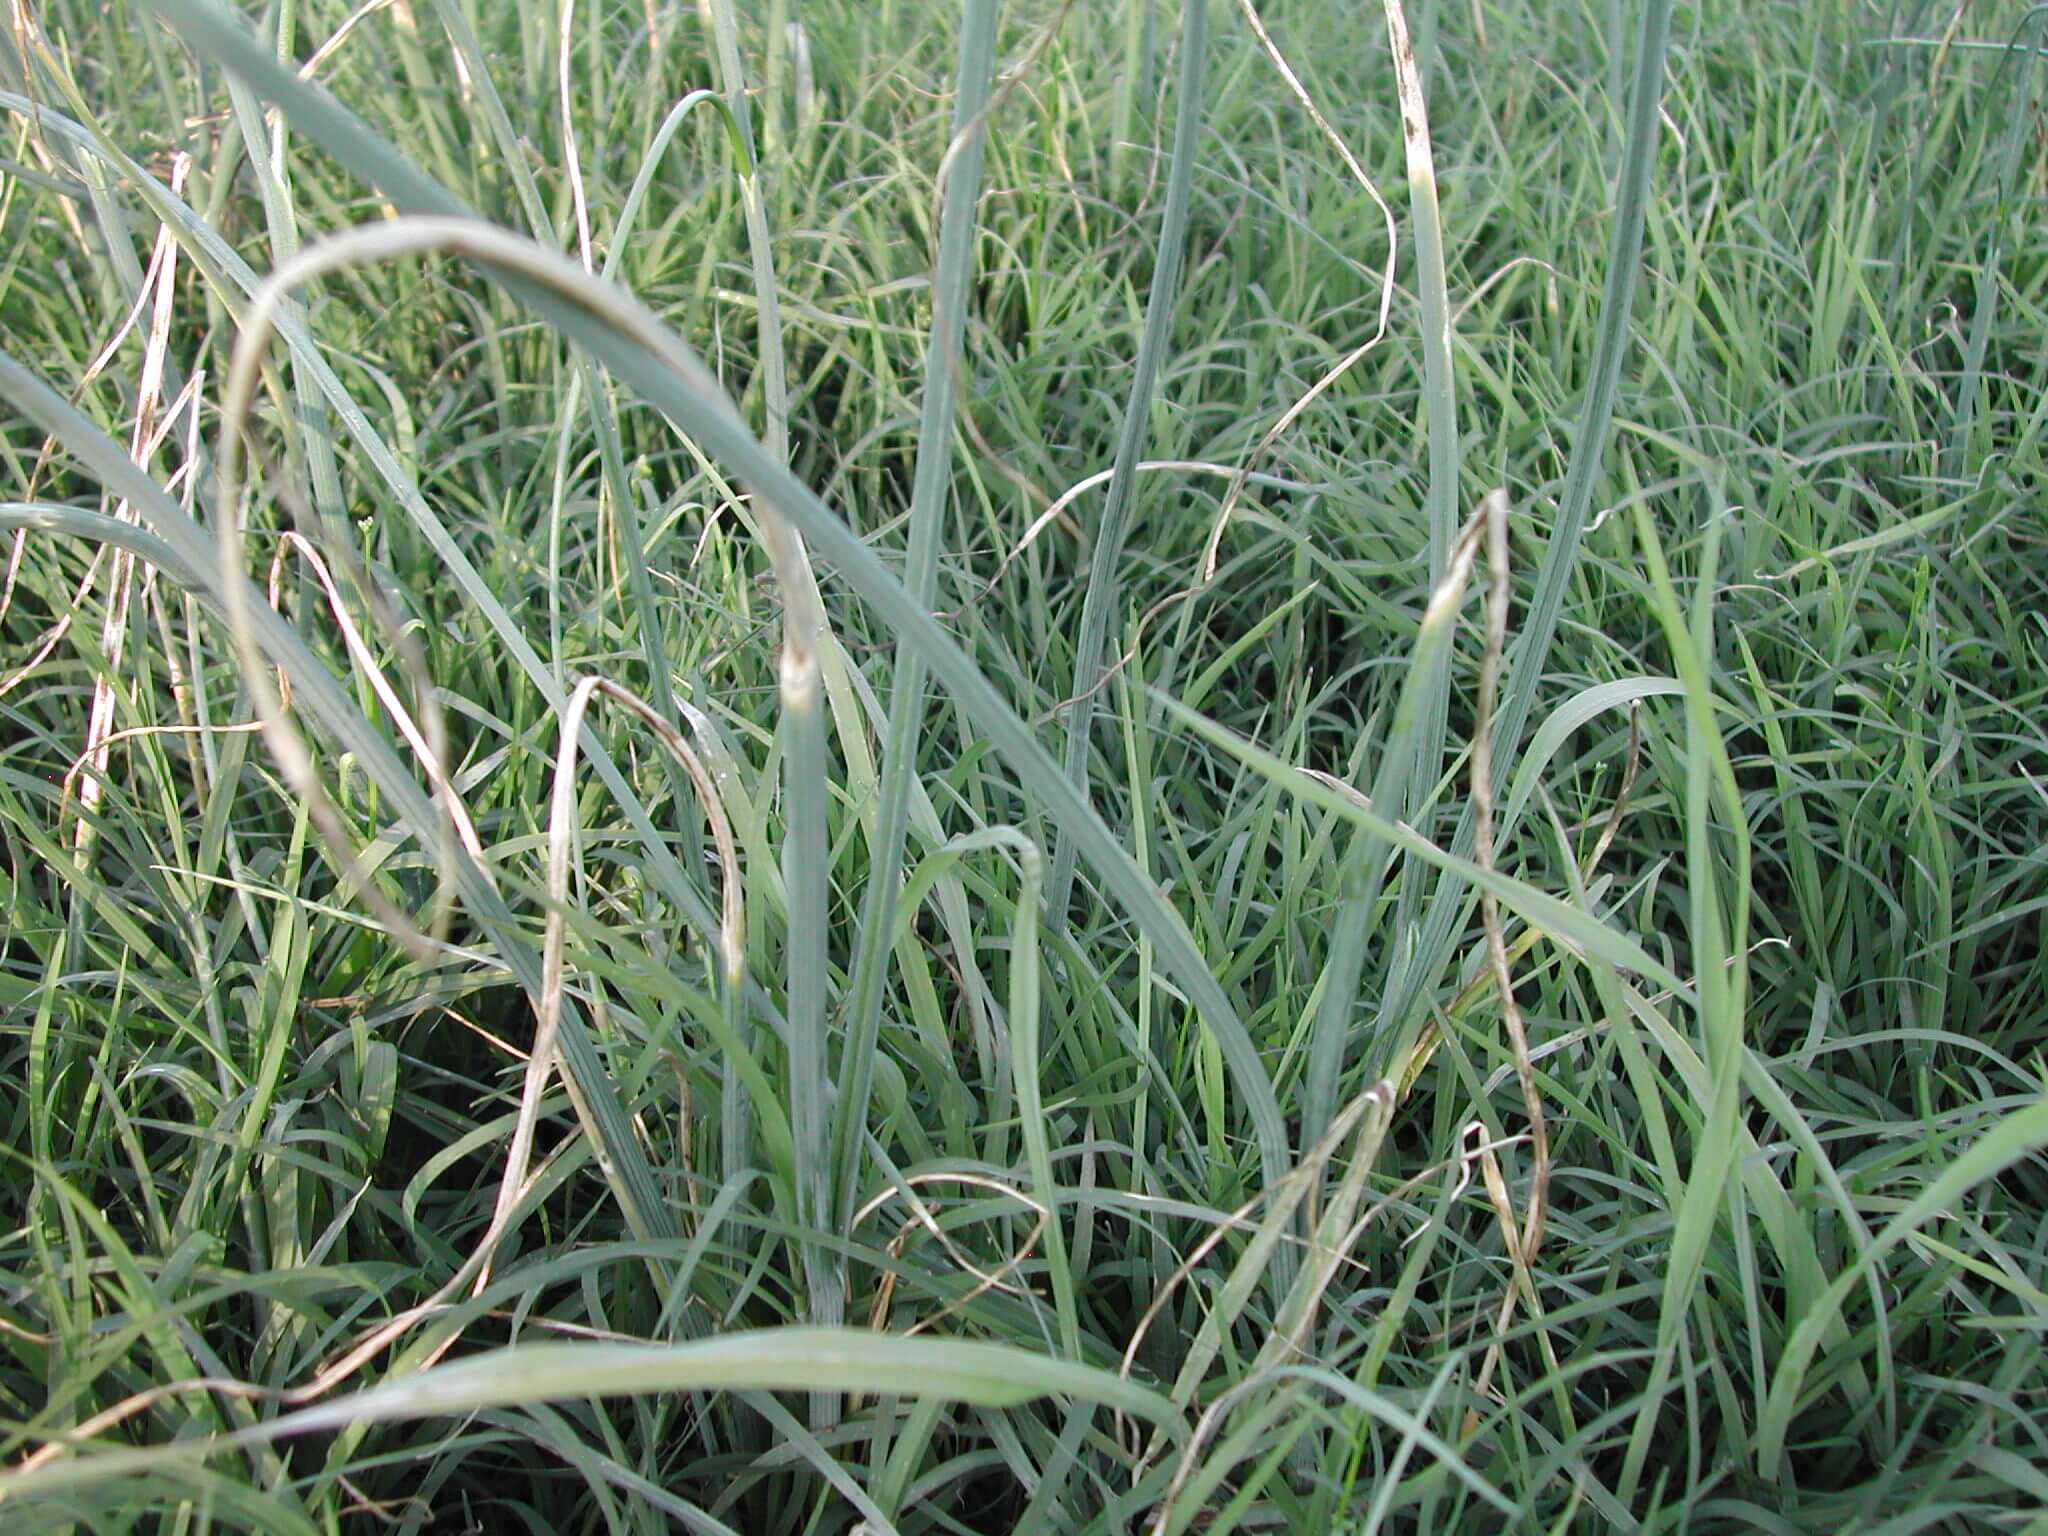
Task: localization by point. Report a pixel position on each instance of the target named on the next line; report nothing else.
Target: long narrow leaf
(317, 693)
(1531, 649)
(765, 1360)
(690, 396)
(950, 287)
(1538, 908)
(1100, 600)
(217, 257)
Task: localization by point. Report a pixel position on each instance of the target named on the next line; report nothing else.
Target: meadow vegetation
(1150, 766)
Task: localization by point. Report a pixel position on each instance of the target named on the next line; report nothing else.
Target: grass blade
(951, 279)
(232, 276)
(1720, 954)
(733, 81)
(1104, 580)
(2018, 1135)
(1414, 738)
(1537, 908)
(1399, 1014)
(685, 391)
(765, 1360)
(317, 693)
(1440, 410)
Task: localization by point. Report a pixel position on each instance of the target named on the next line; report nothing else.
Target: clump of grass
(1080, 978)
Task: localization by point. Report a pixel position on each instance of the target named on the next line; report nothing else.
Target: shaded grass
(1785, 1021)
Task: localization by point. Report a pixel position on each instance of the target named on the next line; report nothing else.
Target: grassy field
(1137, 766)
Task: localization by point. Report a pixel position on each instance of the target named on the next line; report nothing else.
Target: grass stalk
(1101, 598)
(1399, 1021)
(952, 275)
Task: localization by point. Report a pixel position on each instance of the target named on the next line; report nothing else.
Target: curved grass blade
(1100, 601)
(1578, 710)
(650, 162)
(586, 383)
(2017, 1136)
(319, 695)
(950, 283)
(763, 1360)
(229, 273)
(685, 390)
(805, 854)
(1399, 1014)
(1538, 908)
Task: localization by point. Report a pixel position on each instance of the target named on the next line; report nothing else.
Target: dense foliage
(994, 1023)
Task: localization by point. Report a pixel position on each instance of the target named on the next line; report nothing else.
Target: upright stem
(957, 224)
(1103, 586)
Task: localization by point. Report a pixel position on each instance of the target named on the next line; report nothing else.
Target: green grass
(625, 912)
